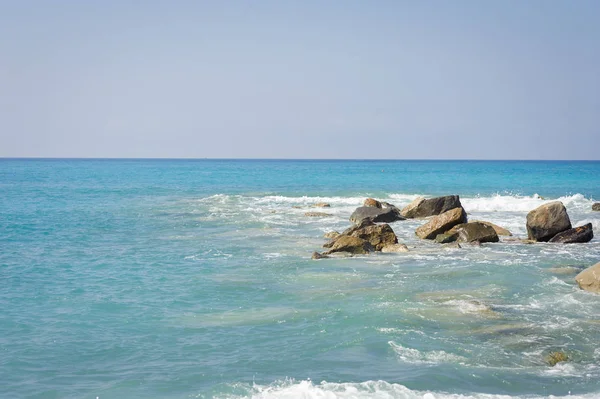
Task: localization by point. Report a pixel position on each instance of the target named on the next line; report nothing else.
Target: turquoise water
(193, 279)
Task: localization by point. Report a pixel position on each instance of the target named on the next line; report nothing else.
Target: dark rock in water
(445, 238)
(377, 215)
(596, 206)
(452, 245)
(476, 231)
(579, 234)
(354, 245)
(373, 203)
(556, 357)
(501, 231)
(317, 255)
(442, 223)
(589, 279)
(546, 221)
(377, 235)
(317, 214)
(421, 208)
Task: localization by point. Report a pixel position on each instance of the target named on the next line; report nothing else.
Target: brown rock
(317, 255)
(501, 231)
(378, 235)
(421, 208)
(589, 279)
(442, 223)
(372, 214)
(579, 234)
(546, 221)
(321, 205)
(373, 203)
(596, 206)
(331, 234)
(475, 231)
(354, 245)
(395, 248)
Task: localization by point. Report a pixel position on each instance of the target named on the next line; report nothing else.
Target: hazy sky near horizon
(300, 79)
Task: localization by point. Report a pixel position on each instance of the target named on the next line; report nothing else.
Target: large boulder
(378, 215)
(476, 231)
(353, 245)
(373, 203)
(501, 231)
(421, 207)
(377, 235)
(583, 233)
(589, 279)
(395, 248)
(441, 223)
(547, 220)
(596, 206)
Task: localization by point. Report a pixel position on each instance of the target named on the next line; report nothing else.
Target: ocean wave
(291, 389)
(410, 355)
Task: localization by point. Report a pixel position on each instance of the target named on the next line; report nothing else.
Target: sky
(505, 79)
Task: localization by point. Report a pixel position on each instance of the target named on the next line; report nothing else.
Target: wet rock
(445, 238)
(579, 234)
(377, 235)
(421, 207)
(442, 223)
(317, 214)
(354, 245)
(317, 255)
(476, 232)
(452, 245)
(331, 234)
(373, 203)
(547, 220)
(377, 215)
(556, 357)
(589, 279)
(501, 231)
(395, 248)
(297, 207)
(596, 206)
(321, 205)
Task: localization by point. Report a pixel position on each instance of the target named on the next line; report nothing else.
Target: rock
(501, 231)
(317, 214)
(395, 248)
(556, 357)
(373, 203)
(378, 235)
(445, 238)
(442, 223)
(354, 245)
(372, 214)
(547, 220)
(297, 207)
(579, 234)
(331, 234)
(421, 208)
(317, 255)
(475, 231)
(596, 206)
(589, 279)
(321, 205)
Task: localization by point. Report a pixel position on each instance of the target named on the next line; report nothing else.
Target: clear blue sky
(305, 79)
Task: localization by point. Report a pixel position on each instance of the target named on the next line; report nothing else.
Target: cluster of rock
(551, 223)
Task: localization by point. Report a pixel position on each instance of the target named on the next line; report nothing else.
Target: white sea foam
(366, 390)
(410, 355)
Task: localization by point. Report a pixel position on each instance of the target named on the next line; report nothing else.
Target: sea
(193, 279)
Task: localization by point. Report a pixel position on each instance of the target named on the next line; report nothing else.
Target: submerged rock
(422, 207)
(317, 255)
(452, 245)
(475, 232)
(501, 231)
(596, 206)
(442, 223)
(331, 234)
(579, 234)
(317, 214)
(547, 220)
(321, 205)
(373, 203)
(556, 357)
(395, 248)
(376, 215)
(445, 238)
(354, 245)
(589, 279)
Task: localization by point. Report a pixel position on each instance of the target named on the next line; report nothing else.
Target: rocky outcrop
(501, 231)
(546, 221)
(373, 203)
(353, 245)
(475, 231)
(421, 207)
(596, 206)
(377, 235)
(317, 214)
(442, 223)
(395, 248)
(331, 234)
(377, 215)
(589, 279)
(579, 234)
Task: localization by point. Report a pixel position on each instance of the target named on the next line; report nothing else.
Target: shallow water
(182, 279)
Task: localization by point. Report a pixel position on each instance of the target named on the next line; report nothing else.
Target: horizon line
(292, 159)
